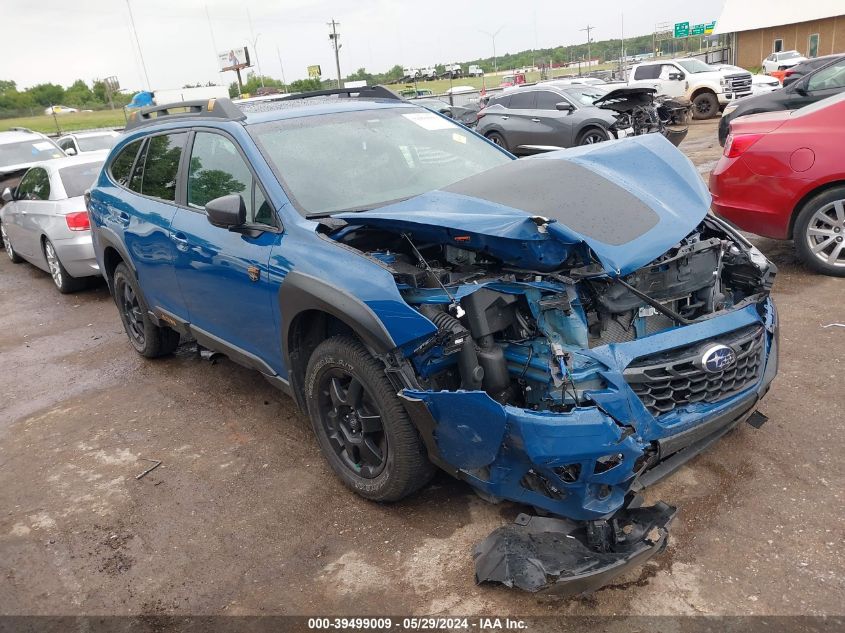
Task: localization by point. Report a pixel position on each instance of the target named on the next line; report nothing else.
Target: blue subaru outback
(559, 331)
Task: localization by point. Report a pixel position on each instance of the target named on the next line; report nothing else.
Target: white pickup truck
(708, 88)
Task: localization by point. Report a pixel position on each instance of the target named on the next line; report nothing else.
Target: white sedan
(46, 223)
(782, 60)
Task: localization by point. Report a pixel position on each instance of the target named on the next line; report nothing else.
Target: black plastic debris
(757, 419)
(567, 558)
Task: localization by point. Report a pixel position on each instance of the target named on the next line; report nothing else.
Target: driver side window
(217, 169)
(35, 185)
(830, 77)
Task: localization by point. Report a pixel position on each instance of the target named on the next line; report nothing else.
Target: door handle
(124, 218)
(536, 120)
(505, 118)
(181, 241)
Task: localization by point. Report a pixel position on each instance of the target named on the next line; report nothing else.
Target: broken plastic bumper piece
(566, 558)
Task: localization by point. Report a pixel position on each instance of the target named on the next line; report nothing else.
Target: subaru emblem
(717, 358)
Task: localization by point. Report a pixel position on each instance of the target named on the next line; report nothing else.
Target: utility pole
(138, 43)
(282, 68)
(333, 36)
(589, 56)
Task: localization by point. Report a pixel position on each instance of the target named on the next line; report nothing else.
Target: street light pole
(255, 47)
(492, 36)
(333, 36)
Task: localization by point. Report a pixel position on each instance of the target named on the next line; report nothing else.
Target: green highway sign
(682, 29)
(709, 27)
(698, 29)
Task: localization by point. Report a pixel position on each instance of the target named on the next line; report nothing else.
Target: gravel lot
(244, 517)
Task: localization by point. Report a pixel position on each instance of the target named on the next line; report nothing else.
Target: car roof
(93, 133)
(262, 112)
(54, 164)
(16, 136)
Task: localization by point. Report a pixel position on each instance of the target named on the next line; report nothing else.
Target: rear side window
(652, 71)
(522, 101)
(161, 166)
(77, 178)
(122, 163)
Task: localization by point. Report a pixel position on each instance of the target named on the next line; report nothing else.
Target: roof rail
(221, 109)
(22, 129)
(365, 92)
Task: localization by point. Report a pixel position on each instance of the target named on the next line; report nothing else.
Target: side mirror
(564, 106)
(801, 87)
(70, 151)
(677, 76)
(8, 196)
(226, 211)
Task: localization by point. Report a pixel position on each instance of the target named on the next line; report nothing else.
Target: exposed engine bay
(640, 110)
(516, 333)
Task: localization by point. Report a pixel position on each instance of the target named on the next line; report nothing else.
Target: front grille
(739, 83)
(673, 379)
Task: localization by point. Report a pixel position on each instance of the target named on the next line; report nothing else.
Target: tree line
(32, 101)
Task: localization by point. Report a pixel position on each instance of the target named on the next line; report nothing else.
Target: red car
(782, 175)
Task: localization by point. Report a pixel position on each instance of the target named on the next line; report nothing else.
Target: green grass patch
(67, 122)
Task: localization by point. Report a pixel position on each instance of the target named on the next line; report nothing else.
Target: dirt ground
(244, 517)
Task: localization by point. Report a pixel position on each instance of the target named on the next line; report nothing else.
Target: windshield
(28, 152)
(365, 159)
(94, 143)
(586, 95)
(789, 55)
(77, 178)
(695, 66)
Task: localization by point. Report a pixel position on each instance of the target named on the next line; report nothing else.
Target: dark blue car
(560, 331)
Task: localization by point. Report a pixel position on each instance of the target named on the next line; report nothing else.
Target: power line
(138, 43)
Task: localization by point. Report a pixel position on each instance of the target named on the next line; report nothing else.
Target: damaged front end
(578, 354)
(639, 110)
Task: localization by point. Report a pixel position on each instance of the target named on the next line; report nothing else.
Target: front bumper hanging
(566, 558)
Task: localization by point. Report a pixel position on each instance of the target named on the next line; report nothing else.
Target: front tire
(705, 106)
(820, 232)
(64, 282)
(591, 136)
(498, 139)
(362, 428)
(7, 245)
(146, 337)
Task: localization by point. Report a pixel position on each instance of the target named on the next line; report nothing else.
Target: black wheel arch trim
(109, 239)
(300, 292)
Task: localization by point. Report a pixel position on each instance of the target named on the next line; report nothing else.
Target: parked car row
(43, 218)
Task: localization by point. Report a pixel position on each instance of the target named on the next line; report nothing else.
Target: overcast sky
(59, 41)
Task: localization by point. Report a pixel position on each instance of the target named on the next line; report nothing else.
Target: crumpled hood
(629, 201)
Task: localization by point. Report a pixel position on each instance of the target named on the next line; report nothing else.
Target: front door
(223, 274)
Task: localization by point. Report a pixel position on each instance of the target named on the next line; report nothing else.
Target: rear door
(223, 274)
(142, 213)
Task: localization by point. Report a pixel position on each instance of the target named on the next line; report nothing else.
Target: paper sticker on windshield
(459, 138)
(43, 146)
(428, 120)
